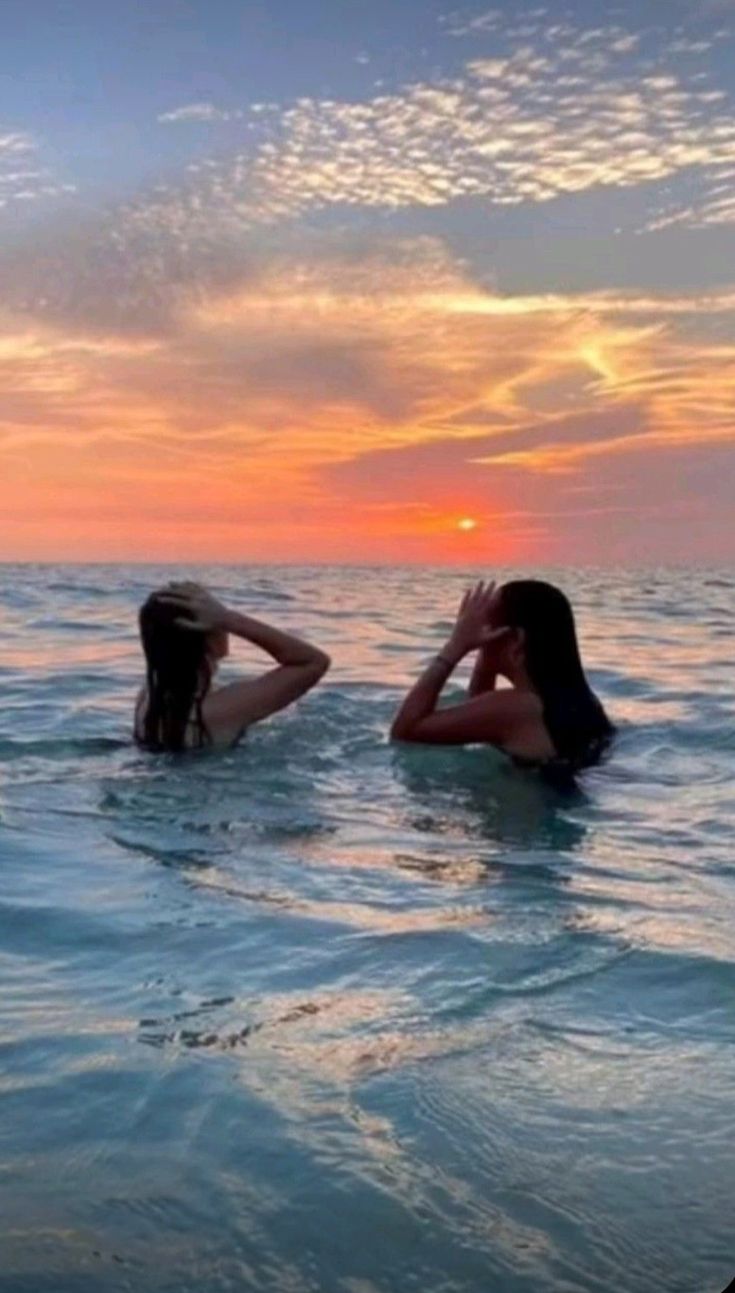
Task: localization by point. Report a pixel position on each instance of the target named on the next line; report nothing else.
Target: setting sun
(305, 283)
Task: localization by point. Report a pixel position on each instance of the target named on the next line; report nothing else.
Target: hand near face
(472, 630)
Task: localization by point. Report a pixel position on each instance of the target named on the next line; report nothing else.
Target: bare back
(228, 711)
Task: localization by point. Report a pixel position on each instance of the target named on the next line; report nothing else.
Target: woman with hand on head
(524, 632)
(185, 632)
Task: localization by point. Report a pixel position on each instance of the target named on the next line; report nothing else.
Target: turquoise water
(324, 1014)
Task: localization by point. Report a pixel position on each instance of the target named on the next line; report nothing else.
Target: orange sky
(358, 411)
(336, 341)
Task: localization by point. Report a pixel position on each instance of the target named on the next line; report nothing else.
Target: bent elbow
(318, 666)
(400, 729)
(323, 663)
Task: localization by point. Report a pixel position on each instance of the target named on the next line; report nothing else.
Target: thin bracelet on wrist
(445, 660)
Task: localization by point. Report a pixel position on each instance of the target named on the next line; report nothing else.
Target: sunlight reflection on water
(323, 1013)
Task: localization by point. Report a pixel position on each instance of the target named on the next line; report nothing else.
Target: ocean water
(323, 1014)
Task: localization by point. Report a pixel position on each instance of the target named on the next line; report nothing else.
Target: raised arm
(485, 717)
(238, 704)
(484, 674)
(283, 647)
(420, 701)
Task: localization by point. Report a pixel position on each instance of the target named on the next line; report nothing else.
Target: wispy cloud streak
(23, 178)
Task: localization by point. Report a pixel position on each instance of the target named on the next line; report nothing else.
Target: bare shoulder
(512, 703)
(516, 718)
(519, 716)
(228, 710)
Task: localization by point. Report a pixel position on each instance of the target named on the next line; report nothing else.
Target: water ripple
(263, 1005)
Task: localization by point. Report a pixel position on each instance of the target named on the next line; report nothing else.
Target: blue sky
(90, 81)
(275, 206)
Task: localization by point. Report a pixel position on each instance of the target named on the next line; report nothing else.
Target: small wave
(60, 747)
(469, 1011)
(61, 625)
(83, 589)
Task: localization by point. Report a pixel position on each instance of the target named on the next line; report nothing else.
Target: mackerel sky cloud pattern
(399, 283)
(23, 177)
(562, 112)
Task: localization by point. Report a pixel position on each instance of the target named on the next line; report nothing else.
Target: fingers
(483, 595)
(182, 588)
(184, 602)
(194, 625)
(175, 599)
(480, 592)
(476, 597)
(491, 636)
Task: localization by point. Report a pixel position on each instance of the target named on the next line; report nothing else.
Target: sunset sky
(301, 280)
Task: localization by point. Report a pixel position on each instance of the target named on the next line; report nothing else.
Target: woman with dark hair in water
(185, 632)
(549, 717)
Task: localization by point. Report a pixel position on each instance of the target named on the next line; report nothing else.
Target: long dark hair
(179, 674)
(577, 722)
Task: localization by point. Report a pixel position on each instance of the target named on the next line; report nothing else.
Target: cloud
(23, 178)
(633, 502)
(380, 390)
(713, 205)
(566, 112)
(395, 341)
(525, 128)
(428, 469)
(214, 357)
(198, 112)
(121, 270)
(456, 25)
(492, 22)
(557, 110)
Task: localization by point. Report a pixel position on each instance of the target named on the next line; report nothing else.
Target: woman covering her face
(185, 632)
(549, 716)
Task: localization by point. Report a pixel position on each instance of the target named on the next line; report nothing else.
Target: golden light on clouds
(312, 388)
(319, 316)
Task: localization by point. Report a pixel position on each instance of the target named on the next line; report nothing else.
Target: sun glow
(466, 524)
